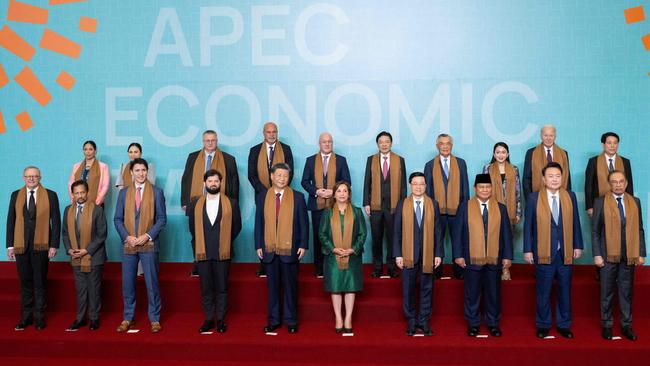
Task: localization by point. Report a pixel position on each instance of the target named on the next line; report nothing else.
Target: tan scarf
(42, 230)
(199, 170)
(395, 171)
(408, 220)
(146, 217)
(544, 217)
(225, 230)
(477, 246)
(509, 199)
(602, 171)
(613, 229)
(127, 177)
(263, 162)
(318, 177)
(278, 237)
(92, 178)
(450, 199)
(85, 230)
(539, 162)
(342, 240)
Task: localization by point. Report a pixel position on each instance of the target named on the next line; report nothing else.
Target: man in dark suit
(84, 236)
(384, 185)
(483, 246)
(552, 239)
(417, 252)
(261, 158)
(618, 246)
(215, 222)
(281, 239)
(447, 184)
(319, 189)
(33, 233)
(140, 216)
(537, 157)
(199, 162)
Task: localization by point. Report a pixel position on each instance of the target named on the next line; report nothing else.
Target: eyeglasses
(32, 176)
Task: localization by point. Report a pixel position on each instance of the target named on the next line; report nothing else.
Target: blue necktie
(556, 211)
(620, 210)
(418, 213)
(445, 167)
(208, 163)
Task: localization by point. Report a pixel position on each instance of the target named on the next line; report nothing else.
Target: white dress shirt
(212, 207)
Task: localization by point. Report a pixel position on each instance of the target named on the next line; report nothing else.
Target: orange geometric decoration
(87, 24)
(24, 120)
(30, 83)
(4, 79)
(634, 15)
(60, 2)
(57, 43)
(65, 80)
(26, 13)
(3, 129)
(646, 41)
(16, 44)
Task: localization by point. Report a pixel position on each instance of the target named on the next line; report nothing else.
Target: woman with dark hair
(343, 233)
(93, 172)
(125, 178)
(505, 175)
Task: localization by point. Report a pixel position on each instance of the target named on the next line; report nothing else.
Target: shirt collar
(35, 189)
(610, 157)
(387, 155)
(270, 145)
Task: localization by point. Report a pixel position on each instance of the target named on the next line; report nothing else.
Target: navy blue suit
(527, 182)
(253, 155)
(309, 184)
(546, 273)
(448, 221)
(409, 276)
(282, 270)
(482, 278)
(149, 260)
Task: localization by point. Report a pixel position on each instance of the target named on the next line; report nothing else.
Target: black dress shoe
(23, 323)
(40, 324)
(495, 331)
(195, 271)
(94, 324)
(472, 331)
(77, 324)
(629, 333)
(376, 274)
(427, 331)
(207, 325)
(459, 276)
(393, 273)
(347, 330)
(339, 330)
(607, 333)
(221, 326)
(270, 328)
(293, 329)
(261, 272)
(565, 332)
(542, 332)
(410, 332)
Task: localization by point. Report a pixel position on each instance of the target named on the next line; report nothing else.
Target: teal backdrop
(160, 72)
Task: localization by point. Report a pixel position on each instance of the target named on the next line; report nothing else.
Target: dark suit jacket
(439, 248)
(530, 227)
(528, 173)
(55, 221)
(160, 215)
(300, 228)
(598, 237)
(460, 245)
(464, 183)
(231, 177)
(253, 154)
(211, 232)
(367, 182)
(309, 181)
(97, 246)
(591, 180)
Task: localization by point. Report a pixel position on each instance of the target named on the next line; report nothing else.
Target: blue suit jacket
(530, 227)
(464, 184)
(309, 181)
(439, 248)
(160, 215)
(460, 244)
(300, 228)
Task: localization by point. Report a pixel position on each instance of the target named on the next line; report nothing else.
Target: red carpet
(378, 323)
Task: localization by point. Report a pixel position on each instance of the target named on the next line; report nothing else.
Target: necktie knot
(31, 192)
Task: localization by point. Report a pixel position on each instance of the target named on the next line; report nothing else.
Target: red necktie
(384, 168)
(138, 198)
(277, 206)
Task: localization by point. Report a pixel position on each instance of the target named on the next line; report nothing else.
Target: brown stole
(263, 161)
(342, 240)
(146, 217)
(42, 230)
(318, 177)
(199, 170)
(408, 220)
(602, 171)
(278, 235)
(395, 171)
(509, 199)
(92, 178)
(127, 177)
(544, 217)
(477, 245)
(539, 161)
(225, 230)
(450, 199)
(85, 230)
(613, 229)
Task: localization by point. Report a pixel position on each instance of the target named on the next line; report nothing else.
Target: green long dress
(351, 279)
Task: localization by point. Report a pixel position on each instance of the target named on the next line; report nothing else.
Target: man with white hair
(537, 157)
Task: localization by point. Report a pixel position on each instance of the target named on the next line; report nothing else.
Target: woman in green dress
(343, 233)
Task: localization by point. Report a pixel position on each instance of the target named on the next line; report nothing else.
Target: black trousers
(616, 276)
(318, 253)
(381, 222)
(89, 292)
(32, 273)
(213, 276)
(421, 319)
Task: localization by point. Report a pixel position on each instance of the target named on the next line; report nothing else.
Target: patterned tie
(384, 168)
(31, 207)
(138, 198)
(556, 211)
(485, 223)
(621, 211)
(549, 158)
(208, 163)
(270, 157)
(418, 213)
(277, 207)
(611, 166)
(445, 167)
(79, 211)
